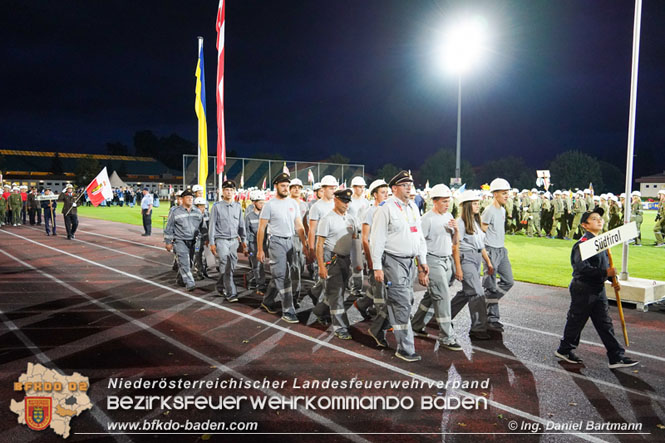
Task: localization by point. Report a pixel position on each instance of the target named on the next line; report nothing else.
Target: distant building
(55, 170)
(651, 184)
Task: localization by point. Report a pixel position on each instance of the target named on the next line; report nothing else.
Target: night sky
(311, 78)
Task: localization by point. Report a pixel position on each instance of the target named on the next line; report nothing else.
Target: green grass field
(535, 260)
(125, 214)
(547, 262)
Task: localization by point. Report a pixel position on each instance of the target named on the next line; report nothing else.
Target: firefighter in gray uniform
(298, 266)
(335, 249)
(472, 252)
(395, 242)
(281, 216)
(440, 231)
(493, 222)
(182, 229)
(376, 293)
(252, 228)
(227, 231)
(357, 209)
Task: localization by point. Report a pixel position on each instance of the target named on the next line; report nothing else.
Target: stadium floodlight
(464, 44)
(462, 47)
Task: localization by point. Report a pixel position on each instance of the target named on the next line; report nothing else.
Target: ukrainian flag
(200, 108)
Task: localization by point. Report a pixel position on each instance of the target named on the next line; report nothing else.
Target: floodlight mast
(463, 46)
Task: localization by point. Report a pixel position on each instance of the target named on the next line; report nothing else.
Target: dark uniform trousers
(339, 272)
(147, 221)
(589, 302)
(71, 223)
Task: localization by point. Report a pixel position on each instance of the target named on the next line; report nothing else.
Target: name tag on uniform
(414, 229)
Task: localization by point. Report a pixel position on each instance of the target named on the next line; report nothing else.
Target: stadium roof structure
(657, 178)
(41, 163)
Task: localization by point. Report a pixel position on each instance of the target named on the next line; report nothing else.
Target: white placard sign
(46, 197)
(605, 241)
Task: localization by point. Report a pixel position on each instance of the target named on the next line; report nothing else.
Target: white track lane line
(183, 347)
(552, 334)
(350, 353)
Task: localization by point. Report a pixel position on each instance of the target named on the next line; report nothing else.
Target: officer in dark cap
(588, 299)
(281, 216)
(182, 229)
(396, 240)
(227, 231)
(335, 249)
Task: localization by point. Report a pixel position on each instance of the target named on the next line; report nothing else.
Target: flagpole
(631, 130)
(198, 155)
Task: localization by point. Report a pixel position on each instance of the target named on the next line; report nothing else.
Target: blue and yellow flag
(200, 108)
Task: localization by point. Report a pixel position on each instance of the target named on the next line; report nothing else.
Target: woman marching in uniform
(472, 252)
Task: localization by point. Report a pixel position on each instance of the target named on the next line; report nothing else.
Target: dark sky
(311, 78)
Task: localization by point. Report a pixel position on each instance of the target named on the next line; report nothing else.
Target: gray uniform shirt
(396, 230)
(251, 225)
(320, 209)
(357, 207)
(183, 224)
(281, 215)
(338, 230)
(438, 235)
(495, 236)
(470, 242)
(369, 215)
(226, 221)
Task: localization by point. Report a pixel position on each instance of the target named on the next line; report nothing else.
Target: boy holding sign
(588, 299)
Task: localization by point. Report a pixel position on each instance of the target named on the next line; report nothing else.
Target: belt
(340, 255)
(444, 257)
(399, 256)
(471, 250)
(283, 238)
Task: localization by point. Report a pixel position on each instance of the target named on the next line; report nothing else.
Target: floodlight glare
(464, 44)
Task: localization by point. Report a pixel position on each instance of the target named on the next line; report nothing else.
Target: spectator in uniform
(146, 212)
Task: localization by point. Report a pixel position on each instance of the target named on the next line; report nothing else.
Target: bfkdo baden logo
(38, 412)
(51, 399)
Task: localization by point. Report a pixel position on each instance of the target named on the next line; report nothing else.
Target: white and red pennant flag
(310, 176)
(100, 188)
(221, 142)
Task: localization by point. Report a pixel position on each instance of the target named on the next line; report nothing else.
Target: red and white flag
(221, 141)
(100, 188)
(264, 184)
(310, 176)
(285, 169)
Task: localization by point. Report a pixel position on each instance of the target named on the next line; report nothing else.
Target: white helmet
(623, 195)
(534, 190)
(596, 198)
(329, 180)
(295, 182)
(557, 192)
(412, 191)
(256, 195)
(499, 184)
(197, 188)
(587, 191)
(377, 184)
(358, 181)
(199, 201)
(662, 191)
(178, 194)
(440, 190)
(515, 190)
(636, 194)
(469, 196)
(316, 186)
(69, 185)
